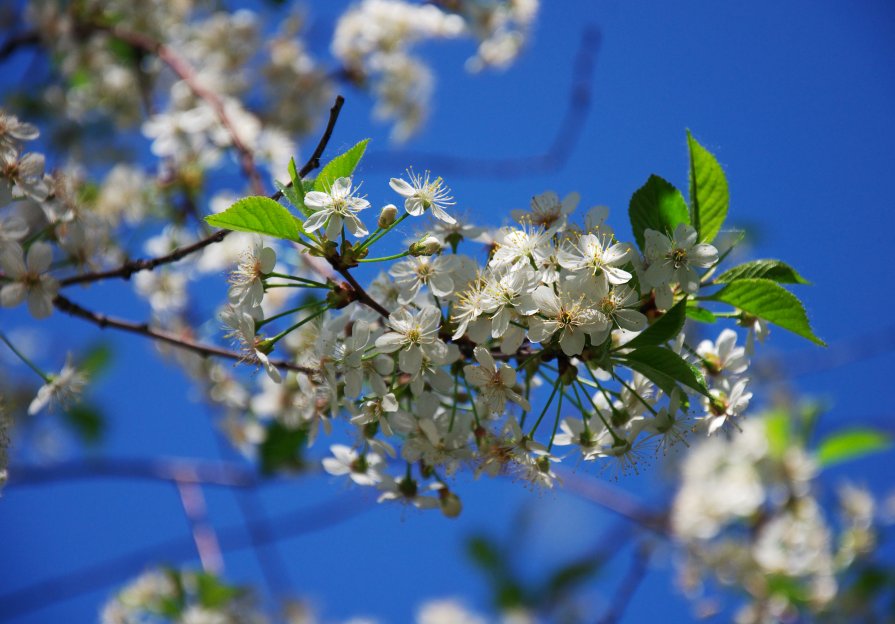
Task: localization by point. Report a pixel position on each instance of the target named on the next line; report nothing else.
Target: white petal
(13, 294)
(316, 220)
(40, 256)
(316, 199)
(401, 187)
(572, 342)
(390, 342)
(632, 320)
(410, 360)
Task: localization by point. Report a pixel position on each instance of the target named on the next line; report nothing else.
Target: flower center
(678, 257)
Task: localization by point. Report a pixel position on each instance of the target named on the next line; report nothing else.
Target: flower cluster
(455, 359)
(747, 514)
(187, 597)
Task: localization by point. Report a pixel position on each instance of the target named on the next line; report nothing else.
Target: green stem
(379, 233)
(475, 411)
(636, 394)
(556, 421)
(541, 417)
(615, 438)
(527, 398)
(21, 356)
(527, 360)
(296, 278)
(585, 420)
(263, 322)
(454, 406)
(403, 254)
(299, 285)
(282, 334)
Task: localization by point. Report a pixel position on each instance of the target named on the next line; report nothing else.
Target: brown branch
(147, 264)
(186, 73)
(69, 307)
(554, 159)
(17, 42)
(361, 295)
(135, 266)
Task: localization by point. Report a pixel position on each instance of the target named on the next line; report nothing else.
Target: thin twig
(554, 159)
(69, 307)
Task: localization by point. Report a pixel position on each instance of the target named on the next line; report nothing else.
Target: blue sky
(795, 99)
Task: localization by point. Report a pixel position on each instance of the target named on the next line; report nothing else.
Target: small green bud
(429, 246)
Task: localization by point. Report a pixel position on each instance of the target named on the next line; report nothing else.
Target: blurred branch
(69, 307)
(564, 141)
(838, 354)
(629, 584)
(615, 500)
(134, 266)
(218, 473)
(185, 72)
(204, 536)
(232, 538)
(18, 41)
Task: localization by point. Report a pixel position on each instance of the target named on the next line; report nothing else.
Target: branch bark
(67, 306)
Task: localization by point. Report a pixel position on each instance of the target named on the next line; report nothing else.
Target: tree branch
(135, 266)
(629, 584)
(185, 72)
(557, 155)
(18, 41)
(213, 473)
(362, 295)
(94, 576)
(69, 307)
(615, 500)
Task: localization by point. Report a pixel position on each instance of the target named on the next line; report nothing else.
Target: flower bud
(429, 246)
(450, 503)
(387, 216)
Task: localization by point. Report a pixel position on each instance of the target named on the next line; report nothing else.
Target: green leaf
(656, 205)
(770, 301)
(851, 444)
(212, 593)
(290, 194)
(87, 422)
(571, 575)
(777, 429)
(667, 327)
(257, 214)
(297, 190)
(485, 554)
(665, 368)
(765, 269)
(342, 166)
(282, 449)
(700, 314)
(709, 197)
(96, 360)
